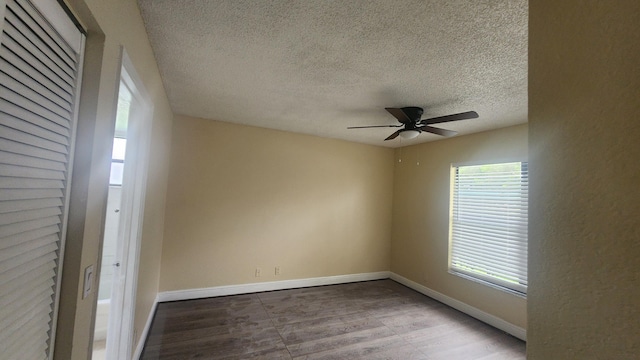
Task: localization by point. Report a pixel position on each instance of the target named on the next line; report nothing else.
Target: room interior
(226, 198)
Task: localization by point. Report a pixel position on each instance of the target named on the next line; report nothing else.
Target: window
(488, 228)
(117, 161)
(119, 140)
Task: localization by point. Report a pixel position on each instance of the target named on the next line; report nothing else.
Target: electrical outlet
(277, 270)
(258, 271)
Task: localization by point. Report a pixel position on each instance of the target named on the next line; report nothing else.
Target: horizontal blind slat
(31, 139)
(20, 312)
(31, 128)
(43, 76)
(517, 229)
(57, 43)
(16, 28)
(32, 106)
(19, 216)
(514, 278)
(24, 226)
(27, 92)
(24, 247)
(16, 273)
(11, 146)
(30, 161)
(42, 273)
(35, 310)
(23, 114)
(488, 269)
(18, 171)
(14, 262)
(491, 221)
(14, 47)
(506, 280)
(21, 205)
(489, 205)
(515, 200)
(37, 30)
(28, 80)
(18, 183)
(49, 234)
(484, 231)
(492, 245)
(29, 351)
(514, 257)
(515, 286)
(490, 257)
(489, 264)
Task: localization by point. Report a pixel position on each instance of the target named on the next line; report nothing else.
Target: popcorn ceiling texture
(316, 67)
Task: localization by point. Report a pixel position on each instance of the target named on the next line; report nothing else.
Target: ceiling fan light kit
(409, 134)
(412, 125)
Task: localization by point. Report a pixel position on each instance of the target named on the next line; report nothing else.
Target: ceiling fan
(409, 117)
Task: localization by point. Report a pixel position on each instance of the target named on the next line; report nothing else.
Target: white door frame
(120, 330)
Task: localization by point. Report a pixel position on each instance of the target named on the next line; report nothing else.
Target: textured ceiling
(318, 66)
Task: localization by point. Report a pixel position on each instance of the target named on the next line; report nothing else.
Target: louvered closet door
(40, 66)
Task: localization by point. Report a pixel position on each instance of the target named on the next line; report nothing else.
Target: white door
(129, 170)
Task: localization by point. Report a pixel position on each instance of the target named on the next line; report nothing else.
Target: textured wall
(420, 240)
(110, 25)
(584, 138)
(243, 197)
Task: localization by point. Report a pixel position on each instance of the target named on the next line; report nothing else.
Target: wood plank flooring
(368, 320)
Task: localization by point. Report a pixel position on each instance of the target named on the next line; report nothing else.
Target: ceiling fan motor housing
(414, 113)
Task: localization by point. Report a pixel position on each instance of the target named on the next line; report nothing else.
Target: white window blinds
(40, 66)
(489, 223)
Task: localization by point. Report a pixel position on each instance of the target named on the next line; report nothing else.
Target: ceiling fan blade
(399, 114)
(437, 131)
(372, 126)
(452, 117)
(394, 135)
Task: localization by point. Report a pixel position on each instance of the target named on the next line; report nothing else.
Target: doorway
(113, 331)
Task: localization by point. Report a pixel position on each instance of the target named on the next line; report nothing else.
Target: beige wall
(243, 197)
(110, 24)
(420, 240)
(584, 138)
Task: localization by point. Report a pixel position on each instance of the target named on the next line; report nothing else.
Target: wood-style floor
(368, 320)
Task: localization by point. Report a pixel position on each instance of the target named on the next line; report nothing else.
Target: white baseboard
(145, 331)
(189, 294)
(268, 286)
(492, 320)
